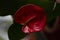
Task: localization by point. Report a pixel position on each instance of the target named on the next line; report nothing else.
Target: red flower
(32, 17)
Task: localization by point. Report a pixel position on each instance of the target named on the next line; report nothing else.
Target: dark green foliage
(15, 32)
(40, 36)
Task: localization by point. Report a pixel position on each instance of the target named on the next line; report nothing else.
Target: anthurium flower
(32, 17)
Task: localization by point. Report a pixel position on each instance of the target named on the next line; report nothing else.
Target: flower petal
(35, 25)
(32, 17)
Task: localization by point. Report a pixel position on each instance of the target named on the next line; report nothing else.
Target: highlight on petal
(32, 17)
(35, 25)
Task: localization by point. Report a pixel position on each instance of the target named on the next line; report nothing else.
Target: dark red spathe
(32, 16)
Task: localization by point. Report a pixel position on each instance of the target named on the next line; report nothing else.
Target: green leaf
(15, 32)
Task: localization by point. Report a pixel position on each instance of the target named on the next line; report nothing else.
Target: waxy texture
(32, 17)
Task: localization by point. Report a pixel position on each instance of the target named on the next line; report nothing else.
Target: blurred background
(51, 30)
